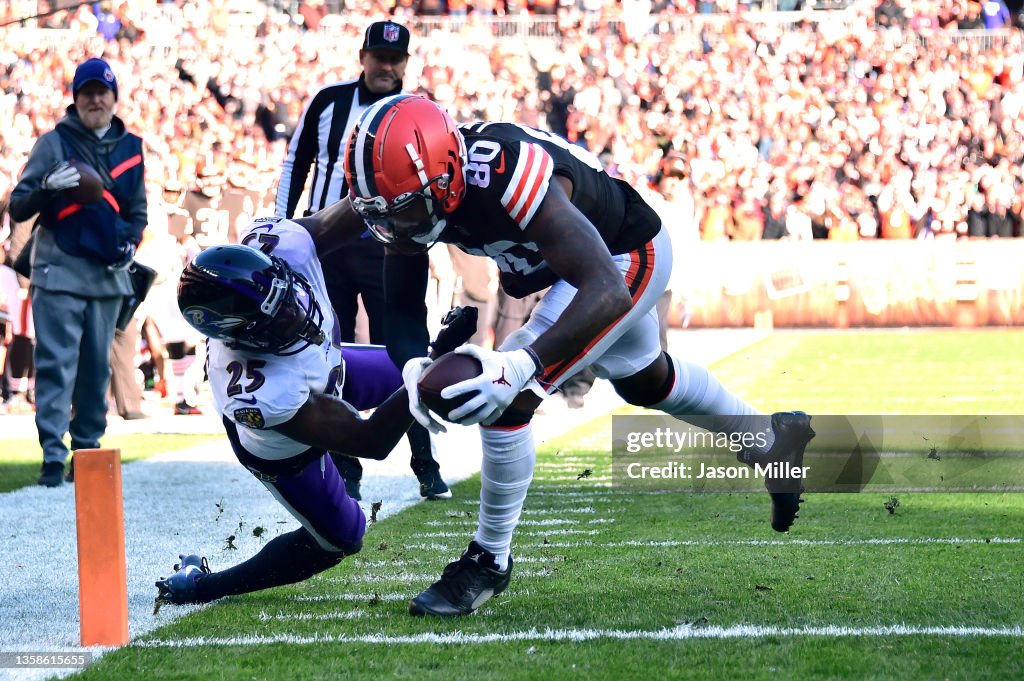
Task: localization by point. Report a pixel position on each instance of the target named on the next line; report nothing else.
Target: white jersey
(258, 391)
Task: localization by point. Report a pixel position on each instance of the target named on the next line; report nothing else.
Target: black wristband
(536, 361)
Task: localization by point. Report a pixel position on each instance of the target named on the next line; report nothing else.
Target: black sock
(422, 460)
(287, 559)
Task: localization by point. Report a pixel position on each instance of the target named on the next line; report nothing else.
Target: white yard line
(634, 543)
(422, 579)
(885, 541)
(679, 633)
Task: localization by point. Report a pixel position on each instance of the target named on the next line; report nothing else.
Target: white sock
(505, 476)
(696, 393)
(180, 367)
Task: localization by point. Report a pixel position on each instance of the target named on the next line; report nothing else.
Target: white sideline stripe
(683, 632)
(885, 541)
(554, 533)
(369, 563)
(413, 560)
(315, 616)
(327, 598)
(374, 578)
(522, 523)
(565, 467)
(531, 533)
(548, 492)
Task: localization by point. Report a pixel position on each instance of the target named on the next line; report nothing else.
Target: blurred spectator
(995, 13)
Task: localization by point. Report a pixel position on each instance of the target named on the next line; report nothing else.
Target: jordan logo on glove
(502, 380)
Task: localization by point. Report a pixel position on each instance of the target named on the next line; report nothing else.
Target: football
(90, 186)
(447, 370)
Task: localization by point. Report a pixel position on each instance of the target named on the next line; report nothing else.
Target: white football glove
(504, 376)
(411, 377)
(61, 176)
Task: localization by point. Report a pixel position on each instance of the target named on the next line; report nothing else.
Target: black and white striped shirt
(319, 142)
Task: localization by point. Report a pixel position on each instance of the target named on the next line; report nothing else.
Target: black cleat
(352, 488)
(433, 487)
(465, 585)
(792, 433)
(51, 474)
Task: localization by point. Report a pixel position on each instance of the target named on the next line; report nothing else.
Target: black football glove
(457, 327)
(125, 257)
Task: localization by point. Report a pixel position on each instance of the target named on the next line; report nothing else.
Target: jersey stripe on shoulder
(529, 183)
(474, 126)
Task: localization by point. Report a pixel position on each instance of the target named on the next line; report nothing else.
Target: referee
(358, 268)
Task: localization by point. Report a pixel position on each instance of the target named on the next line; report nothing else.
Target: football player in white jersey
(289, 395)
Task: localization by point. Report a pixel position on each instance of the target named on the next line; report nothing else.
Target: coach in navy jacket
(79, 261)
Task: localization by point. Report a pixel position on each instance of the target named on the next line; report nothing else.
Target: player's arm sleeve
(295, 169)
(405, 309)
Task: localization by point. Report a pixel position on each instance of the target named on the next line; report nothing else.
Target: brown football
(447, 370)
(90, 186)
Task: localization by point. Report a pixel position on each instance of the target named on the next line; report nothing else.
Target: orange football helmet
(405, 168)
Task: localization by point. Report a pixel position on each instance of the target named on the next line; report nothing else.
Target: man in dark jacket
(80, 257)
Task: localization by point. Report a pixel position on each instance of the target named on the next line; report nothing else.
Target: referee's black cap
(387, 35)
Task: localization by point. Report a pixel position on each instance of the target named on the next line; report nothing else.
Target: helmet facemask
(405, 165)
(413, 219)
(291, 316)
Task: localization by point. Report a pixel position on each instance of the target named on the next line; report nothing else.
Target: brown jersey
(508, 171)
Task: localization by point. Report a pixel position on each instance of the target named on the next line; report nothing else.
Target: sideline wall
(964, 283)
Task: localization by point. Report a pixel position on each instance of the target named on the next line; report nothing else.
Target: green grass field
(614, 585)
(20, 459)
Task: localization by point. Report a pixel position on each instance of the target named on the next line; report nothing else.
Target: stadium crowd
(868, 123)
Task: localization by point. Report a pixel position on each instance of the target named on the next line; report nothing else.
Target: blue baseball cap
(93, 69)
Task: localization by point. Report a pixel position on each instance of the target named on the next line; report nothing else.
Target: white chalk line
(411, 577)
(316, 616)
(457, 522)
(414, 560)
(531, 533)
(679, 633)
(549, 492)
(883, 541)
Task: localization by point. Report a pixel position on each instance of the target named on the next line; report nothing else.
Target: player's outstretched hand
(504, 376)
(457, 327)
(411, 377)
